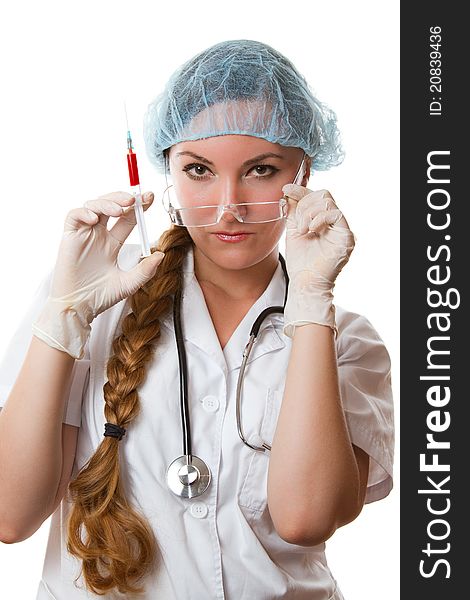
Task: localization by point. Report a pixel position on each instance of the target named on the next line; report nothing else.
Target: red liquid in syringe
(132, 163)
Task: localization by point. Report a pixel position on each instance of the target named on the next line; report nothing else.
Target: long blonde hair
(120, 547)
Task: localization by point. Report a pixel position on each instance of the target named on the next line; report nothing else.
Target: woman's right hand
(87, 279)
(86, 272)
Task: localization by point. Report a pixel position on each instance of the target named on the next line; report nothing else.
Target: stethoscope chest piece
(188, 476)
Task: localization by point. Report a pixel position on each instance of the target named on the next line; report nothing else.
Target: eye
(264, 171)
(196, 171)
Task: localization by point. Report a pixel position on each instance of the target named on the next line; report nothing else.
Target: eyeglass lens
(252, 212)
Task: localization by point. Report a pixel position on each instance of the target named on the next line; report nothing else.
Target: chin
(233, 257)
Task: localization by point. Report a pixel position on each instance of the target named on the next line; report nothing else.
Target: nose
(230, 193)
(228, 190)
(230, 213)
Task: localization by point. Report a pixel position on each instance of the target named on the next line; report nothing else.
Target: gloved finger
(304, 205)
(105, 208)
(134, 279)
(293, 193)
(307, 208)
(123, 199)
(331, 204)
(77, 217)
(147, 200)
(300, 213)
(296, 192)
(127, 221)
(314, 203)
(324, 219)
(291, 213)
(119, 197)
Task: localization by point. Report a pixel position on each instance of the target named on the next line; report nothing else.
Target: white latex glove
(318, 245)
(87, 279)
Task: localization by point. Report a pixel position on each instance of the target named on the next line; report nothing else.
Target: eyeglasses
(244, 212)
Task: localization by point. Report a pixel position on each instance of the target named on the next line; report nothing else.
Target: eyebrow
(247, 163)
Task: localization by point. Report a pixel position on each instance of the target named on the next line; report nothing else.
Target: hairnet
(241, 87)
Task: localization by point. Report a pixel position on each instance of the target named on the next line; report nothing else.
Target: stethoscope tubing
(183, 372)
(194, 462)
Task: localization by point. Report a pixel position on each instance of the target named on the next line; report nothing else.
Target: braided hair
(120, 547)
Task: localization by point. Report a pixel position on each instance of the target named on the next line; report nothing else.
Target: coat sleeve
(364, 372)
(15, 352)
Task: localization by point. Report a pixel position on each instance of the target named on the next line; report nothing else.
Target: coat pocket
(253, 492)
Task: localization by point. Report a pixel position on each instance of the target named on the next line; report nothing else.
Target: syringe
(135, 190)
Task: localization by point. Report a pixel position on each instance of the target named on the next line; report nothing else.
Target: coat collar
(198, 328)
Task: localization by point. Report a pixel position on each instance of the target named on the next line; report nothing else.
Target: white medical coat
(221, 545)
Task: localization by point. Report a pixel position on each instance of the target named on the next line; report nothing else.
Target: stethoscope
(188, 475)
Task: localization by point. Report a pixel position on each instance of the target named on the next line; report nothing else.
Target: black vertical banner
(435, 251)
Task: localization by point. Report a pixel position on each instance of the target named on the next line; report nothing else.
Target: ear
(308, 164)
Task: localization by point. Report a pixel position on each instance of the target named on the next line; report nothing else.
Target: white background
(66, 69)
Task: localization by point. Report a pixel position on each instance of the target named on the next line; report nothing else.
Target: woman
(183, 508)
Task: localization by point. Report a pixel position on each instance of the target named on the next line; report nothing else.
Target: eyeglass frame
(233, 208)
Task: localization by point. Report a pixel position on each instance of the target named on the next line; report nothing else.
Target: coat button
(199, 510)
(210, 403)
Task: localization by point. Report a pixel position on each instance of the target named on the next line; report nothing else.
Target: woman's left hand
(318, 245)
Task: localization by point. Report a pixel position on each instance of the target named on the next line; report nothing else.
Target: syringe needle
(127, 120)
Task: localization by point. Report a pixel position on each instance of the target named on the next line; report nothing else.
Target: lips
(231, 232)
(232, 237)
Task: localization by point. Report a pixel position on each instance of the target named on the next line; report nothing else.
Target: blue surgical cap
(241, 87)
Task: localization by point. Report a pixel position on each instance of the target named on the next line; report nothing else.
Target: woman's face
(232, 169)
